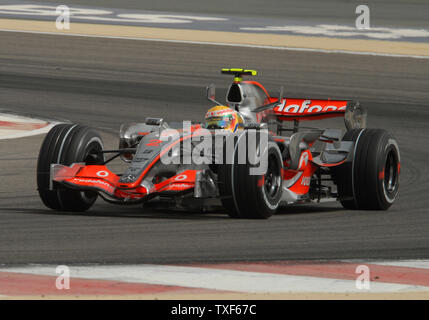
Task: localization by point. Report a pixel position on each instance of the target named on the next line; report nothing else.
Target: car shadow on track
(307, 209)
(135, 211)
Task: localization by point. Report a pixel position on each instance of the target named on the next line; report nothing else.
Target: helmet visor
(218, 123)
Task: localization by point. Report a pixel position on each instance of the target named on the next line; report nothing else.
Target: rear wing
(308, 109)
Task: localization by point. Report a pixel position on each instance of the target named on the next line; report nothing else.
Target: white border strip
(29, 133)
(215, 279)
(365, 53)
(418, 264)
(13, 134)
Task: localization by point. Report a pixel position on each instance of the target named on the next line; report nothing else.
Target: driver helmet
(224, 118)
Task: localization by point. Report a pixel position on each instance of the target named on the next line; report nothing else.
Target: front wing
(100, 178)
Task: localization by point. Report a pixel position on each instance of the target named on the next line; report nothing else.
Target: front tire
(371, 180)
(66, 144)
(252, 196)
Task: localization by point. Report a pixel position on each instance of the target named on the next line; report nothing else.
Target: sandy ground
(323, 43)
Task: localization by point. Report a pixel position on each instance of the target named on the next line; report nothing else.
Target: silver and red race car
(244, 157)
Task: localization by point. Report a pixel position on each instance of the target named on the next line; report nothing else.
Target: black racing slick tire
(252, 196)
(66, 144)
(371, 180)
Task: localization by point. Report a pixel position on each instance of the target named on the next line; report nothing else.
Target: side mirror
(211, 93)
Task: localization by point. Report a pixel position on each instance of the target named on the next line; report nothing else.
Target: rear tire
(371, 180)
(66, 144)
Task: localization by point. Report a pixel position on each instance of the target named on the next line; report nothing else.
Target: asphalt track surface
(389, 13)
(397, 20)
(105, 82)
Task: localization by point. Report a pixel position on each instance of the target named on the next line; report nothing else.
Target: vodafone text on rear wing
(310, 109)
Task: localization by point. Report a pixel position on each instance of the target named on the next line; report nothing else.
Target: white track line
(6, 133)
(365, 53)
(215, 279)
(420, 264)
(21, 134)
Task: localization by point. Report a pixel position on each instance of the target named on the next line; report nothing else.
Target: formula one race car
(196, 165)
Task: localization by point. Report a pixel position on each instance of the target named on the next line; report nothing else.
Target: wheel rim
(91, 157)
(272, 178)
(391, 172)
